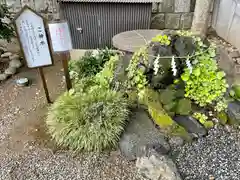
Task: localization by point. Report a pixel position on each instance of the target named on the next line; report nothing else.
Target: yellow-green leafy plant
(162, 39)
(90, 119)
(205, 84)
(203, 119)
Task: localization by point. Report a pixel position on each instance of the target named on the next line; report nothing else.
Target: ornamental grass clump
(91, 119)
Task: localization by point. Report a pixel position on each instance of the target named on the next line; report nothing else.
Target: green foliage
(136, 77)
(105, 77)
(6, 30)
(221, 105)
(90, 119)
(184, 107)
(236, 91)
(162, 39)
(203, 119)
(222, 117)
(205, 84)
(90, 64)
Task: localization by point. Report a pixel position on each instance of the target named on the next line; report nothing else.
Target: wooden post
(65, 59)
(44, 84)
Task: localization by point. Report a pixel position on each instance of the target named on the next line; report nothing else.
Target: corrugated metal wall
(94, 24)
(226, 20)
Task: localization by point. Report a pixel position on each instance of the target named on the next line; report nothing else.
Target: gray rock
(3, 49)
(168, 6)
(182, 6)
(191, 125)
(176, 141)
(155, 166)
(234, 54)
(14, 56)
(10, 71)
(234, 112)
(15, 63)
(158, 21)
(6, 54)
(172, 21)
(160, 7)
(154, 7)
(3, 77)
(237, 60)
(139, 133)
(186, 20)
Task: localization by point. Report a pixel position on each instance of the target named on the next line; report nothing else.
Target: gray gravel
(215, 157)
(43, 165)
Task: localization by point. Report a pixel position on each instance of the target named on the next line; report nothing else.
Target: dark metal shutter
(101, 21)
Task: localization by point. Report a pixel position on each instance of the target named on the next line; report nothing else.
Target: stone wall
(173, 14)
(48, 8)
(167, 14)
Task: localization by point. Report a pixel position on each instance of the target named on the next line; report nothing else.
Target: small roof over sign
(113, 1)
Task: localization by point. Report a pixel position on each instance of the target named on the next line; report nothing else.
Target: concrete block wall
(172, 14)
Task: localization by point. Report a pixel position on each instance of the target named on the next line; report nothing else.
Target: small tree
(6, 30)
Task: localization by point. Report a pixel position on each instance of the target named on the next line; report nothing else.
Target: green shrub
(6, 30)
(91, 120)
(90, 64)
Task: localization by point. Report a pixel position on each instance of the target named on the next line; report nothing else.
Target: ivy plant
(206, 83)
(203, 119)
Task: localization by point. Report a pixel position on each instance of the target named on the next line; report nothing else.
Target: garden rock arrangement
(139, 133)
(170, 92)
(9, 63)
(155, 166)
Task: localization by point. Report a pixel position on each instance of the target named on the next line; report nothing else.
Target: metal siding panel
(112, 1)
(101, 21)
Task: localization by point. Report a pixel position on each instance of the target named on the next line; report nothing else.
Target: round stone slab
(131, 41)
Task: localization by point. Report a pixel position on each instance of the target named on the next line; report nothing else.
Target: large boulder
(234, 112)
(191, 125)
(141, 132)
(155, 166)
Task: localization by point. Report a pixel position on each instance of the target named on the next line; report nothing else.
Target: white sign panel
(60, 37)
(33, 38)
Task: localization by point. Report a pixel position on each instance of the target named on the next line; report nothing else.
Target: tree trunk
(201, 17)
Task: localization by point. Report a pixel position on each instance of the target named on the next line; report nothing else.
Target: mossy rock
(222, 117)
(170, 106)
(167, 96)
(132, 98)
(184, 107)
(160, 116)
(180, 93)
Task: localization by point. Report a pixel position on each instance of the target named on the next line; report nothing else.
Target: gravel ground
(26, 151)
(215, 157)
(39, 164)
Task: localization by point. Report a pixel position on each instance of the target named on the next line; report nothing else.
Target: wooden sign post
(62, 43)
(33, 40)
